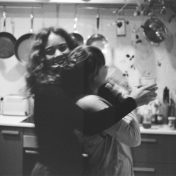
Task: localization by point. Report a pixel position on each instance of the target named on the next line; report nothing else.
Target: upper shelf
(74, 1)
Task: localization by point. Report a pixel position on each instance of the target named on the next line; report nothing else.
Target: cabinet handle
(8, 132)
(31, 152)
(143, 169)
(148, 140)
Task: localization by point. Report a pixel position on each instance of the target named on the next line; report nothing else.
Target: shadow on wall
(171, 48)
(11, 70)
(145, 57)
(169, 42)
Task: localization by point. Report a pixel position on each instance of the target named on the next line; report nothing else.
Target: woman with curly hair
(57, 118)
(44, 63)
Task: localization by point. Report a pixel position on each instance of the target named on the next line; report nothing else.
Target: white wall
(146, 56)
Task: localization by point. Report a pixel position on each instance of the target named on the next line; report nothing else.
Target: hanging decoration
(153, 7)
(155, 30)
(118, 22)
(149, 6)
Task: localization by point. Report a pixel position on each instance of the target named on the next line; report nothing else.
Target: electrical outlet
(121, 27)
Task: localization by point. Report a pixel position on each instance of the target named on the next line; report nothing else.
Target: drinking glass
(147, 80)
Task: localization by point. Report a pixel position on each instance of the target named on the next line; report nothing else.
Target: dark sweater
(56, 117)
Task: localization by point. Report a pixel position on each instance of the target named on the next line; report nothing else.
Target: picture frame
(121, 27)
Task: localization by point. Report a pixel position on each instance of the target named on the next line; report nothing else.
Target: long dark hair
(85, 63)
(37, 72)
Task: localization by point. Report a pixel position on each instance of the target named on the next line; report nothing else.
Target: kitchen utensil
(75, 35)
(23, 44)
(97, 39)
(7, 41)
(155, 30)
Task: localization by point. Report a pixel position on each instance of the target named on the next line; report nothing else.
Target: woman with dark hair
(106, 153)
(56, 116)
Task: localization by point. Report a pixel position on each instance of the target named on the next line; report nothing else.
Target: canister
(171, 122)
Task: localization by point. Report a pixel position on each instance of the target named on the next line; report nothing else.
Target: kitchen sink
(30, 119)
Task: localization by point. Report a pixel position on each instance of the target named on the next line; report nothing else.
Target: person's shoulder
(88, 98)
(91, 103)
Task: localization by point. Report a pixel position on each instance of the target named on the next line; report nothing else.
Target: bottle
(158, 113)
(155, 109)
(147, 117)
(166, 102)
(171, 122)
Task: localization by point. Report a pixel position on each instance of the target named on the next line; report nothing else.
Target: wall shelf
(84, 3)
(75, 1)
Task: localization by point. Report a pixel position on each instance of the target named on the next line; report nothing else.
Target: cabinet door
(154, 169)
(156, 149)
(10, 151)
(30, 150)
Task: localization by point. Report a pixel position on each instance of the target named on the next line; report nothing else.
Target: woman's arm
(126, 131)
(54, 105)
(98, 116)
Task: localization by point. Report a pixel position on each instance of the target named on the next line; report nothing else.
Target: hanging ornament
(155, 30)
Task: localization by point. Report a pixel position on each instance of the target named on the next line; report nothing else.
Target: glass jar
(171, 122)
(147, 117)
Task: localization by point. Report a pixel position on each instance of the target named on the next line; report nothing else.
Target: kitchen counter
(24, 121)
(158, 129)
(16, 121)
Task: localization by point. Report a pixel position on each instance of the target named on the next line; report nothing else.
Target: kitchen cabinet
(30, 150)
(11, 145)
(13, 149)
(156, 156)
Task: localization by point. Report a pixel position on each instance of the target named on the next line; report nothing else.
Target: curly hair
(37, 70)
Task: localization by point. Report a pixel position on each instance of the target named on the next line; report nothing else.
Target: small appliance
(15, 105)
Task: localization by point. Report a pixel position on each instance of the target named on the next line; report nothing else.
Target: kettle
(155, 30)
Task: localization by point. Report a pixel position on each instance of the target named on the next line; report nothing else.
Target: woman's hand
(145, 94)
(116, 89)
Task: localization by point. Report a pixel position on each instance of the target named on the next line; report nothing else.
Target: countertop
(158, 129)
(26, 122)
(16, 121)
